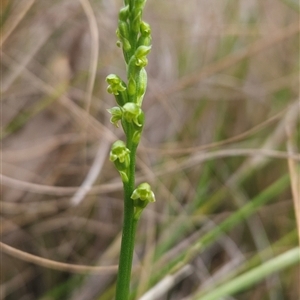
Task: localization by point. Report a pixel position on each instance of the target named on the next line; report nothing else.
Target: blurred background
(220, 148)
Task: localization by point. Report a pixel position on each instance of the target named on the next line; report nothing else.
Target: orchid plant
(134, 38)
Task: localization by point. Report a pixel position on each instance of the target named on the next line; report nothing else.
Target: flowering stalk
(134, 38)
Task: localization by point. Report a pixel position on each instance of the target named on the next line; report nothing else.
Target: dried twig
(47, 263)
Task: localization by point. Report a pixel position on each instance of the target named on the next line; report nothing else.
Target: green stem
(128, 233)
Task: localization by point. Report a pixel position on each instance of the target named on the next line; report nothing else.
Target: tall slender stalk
(134, 38)
(128, 237)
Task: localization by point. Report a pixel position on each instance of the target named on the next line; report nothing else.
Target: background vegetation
(220, 149)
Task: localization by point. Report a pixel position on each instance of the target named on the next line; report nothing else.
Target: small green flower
(116, 115)
(132, 113)
(115, 84)
(138, 60)
(144, 193)
(120, 152)
(120, 155)
(141, 56)
(141, 196)
(141, 62)
(117, 87)
(134, 117)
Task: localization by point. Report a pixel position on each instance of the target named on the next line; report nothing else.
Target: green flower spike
(141, 196)
(116, 115)
(120, 155)
(134, 39)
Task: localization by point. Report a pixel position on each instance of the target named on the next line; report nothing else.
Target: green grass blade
(282, 261)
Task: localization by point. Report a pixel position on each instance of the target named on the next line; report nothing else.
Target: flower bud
(132, 68)
(138, 129)
(137, 136)
(141, 86)
(123, 34)
(145, 29)
(131, 86)
(123, 29)
(124, 13)
(144, 41)
(126, 45)
(139, 4)
(145, 37)
(142, 51)
(137, 21)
